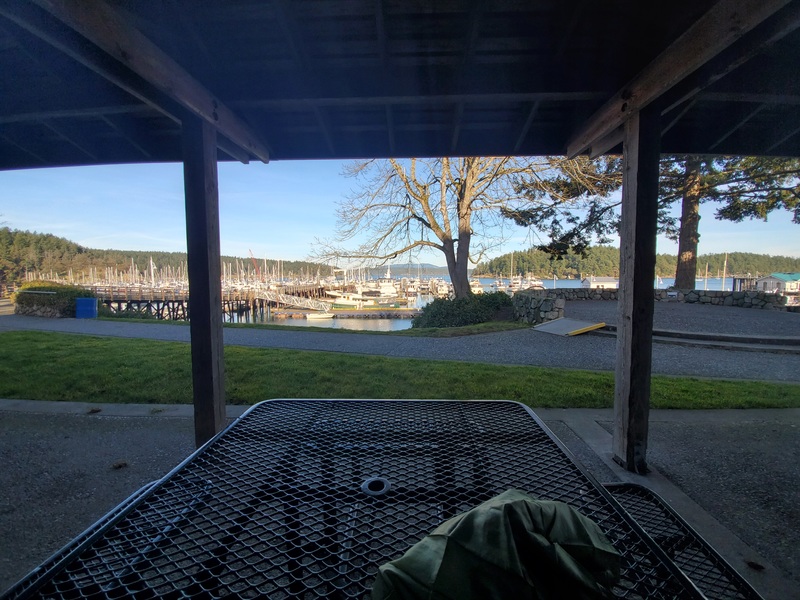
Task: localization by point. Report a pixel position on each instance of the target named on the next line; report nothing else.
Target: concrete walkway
(733, 475)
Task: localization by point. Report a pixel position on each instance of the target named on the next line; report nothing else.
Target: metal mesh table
(306, 498)
(706, 568)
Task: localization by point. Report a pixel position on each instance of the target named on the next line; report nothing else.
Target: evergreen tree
(746, 187)
(580, 211)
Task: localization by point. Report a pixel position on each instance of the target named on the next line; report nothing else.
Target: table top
(306, 498)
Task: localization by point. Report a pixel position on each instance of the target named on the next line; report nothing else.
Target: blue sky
(275, 210)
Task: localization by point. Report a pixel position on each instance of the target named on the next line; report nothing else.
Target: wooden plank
(205, 292)
(725, 23)
(100, 24)
(566, 327)
(636, 302)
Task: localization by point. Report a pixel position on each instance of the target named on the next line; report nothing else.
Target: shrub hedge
(459, 312)
(57, 296)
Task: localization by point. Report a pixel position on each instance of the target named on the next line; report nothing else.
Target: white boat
(517, 284)
(475, 286)
(533, 282)
(318, 316)
(383, 289)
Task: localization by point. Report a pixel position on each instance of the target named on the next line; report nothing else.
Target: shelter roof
(314, 79)
(786, 276)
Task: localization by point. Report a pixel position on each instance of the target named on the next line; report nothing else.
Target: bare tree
(571, 202)
(448, 204)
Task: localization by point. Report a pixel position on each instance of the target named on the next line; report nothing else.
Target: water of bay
(352, 324)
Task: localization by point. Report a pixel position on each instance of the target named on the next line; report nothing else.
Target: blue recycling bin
(86, 308)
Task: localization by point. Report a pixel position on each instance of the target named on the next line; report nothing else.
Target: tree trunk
(465, 193)
(690, 221)
(457, 268)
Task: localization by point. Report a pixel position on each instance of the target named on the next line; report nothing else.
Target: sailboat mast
(724, 271)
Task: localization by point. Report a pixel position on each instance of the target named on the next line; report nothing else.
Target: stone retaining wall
(761, 300)
(538, 306)
(37, 311)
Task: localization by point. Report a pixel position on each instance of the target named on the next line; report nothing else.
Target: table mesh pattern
(704, 566)
(305, 499)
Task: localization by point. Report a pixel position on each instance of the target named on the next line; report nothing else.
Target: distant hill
(603, 261)
(25, 251)
(409, 270)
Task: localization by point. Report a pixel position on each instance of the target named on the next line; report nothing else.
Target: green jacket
(510, 547)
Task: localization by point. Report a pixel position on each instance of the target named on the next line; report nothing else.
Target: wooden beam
(637, 271)
(36, 22)
(233, 150)
(719, 28)
(607, 143)
(416, 100)
(747, 49)
(205, 293)
(100, 24)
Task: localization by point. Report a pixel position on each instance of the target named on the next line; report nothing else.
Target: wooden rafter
(470, 43)
(45, 113)
(710, 35)
(100, 24)
(526, 127)
(296, 49)
(563, 43)
(72, 136)
(390, 127)
(677, 114)
(458, 114)
(130, 133)
(23, 147)
(739, 124)
(380, 33)
(415, 100)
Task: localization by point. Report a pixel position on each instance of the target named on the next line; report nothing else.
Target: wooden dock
(173, 303)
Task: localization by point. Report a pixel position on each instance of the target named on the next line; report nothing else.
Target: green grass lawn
(438, 332)
(54, 366)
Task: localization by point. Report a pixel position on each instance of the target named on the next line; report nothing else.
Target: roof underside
(316, 79)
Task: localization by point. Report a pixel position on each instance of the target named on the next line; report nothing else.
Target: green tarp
(511, 547)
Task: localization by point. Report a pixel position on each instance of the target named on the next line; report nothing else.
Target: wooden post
(637, 271)
(205, 312)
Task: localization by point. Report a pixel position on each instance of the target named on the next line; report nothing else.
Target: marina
(352, 301)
